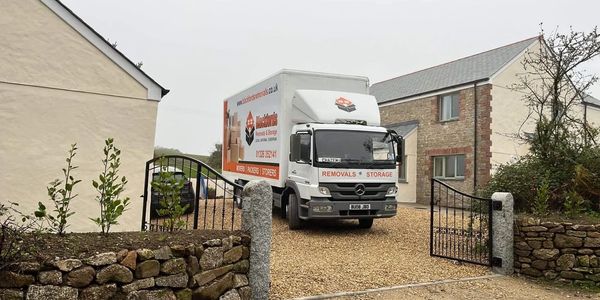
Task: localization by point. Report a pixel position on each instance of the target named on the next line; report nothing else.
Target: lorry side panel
(251, 144)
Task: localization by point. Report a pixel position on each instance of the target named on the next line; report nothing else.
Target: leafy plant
(574, 204)
(169, 188)
(109, 187)
(542, 198)
(61, 195)
(12, 231)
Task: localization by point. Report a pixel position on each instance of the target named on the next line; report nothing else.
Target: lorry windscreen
(353, 149)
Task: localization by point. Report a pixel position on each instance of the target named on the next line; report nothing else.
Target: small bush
(109, 188)
(61, 195)
(14, 225)
(169, 189)
(574, 204)
(542, 198)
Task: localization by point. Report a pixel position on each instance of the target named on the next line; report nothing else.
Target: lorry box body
(316, 137)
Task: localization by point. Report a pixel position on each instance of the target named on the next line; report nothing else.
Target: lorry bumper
(325, 209)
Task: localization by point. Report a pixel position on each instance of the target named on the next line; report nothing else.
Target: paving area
(331, 257)
(493, 288)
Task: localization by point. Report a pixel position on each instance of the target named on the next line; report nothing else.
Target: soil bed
(82, 245)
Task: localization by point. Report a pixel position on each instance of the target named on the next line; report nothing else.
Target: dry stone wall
(557, 250)
(214, 269)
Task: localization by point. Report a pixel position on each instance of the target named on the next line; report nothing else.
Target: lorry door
(301, 162)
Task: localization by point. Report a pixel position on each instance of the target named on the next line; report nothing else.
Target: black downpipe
(476, 105)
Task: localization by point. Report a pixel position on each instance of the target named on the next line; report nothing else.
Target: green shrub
(169, 189)
(109, 188)
(542, 198)
(574, 204)
(61, 195)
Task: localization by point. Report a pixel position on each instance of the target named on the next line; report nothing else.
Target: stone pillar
(256, 220)
(503, 234)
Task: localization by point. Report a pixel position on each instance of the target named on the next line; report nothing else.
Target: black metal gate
(460, 225)
(208, 195)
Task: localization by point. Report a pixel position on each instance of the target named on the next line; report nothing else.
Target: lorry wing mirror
(400, 149)
(294, 147)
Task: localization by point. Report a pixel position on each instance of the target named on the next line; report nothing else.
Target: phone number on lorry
(266, 154)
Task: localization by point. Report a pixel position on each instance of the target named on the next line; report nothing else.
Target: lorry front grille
(347, 191)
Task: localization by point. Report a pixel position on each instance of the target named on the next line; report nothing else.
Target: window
(449, 107)
(449, 167)
(305, 147)
(402, 170)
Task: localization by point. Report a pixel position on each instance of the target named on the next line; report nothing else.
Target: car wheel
(365, 223)
(294, 221)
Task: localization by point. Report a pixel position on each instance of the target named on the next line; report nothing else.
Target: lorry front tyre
(365, 223)
(294, 221)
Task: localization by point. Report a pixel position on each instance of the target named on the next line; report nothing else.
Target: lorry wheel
(294, 221)
(365, 223)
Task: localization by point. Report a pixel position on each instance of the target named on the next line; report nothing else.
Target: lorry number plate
(360, 206)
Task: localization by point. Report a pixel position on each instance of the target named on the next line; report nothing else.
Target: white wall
(407, 191)
(57, 89)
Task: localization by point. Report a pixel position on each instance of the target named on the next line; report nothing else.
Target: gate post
(256, 220)
(502, 235)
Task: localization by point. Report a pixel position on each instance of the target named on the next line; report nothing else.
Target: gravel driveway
(493, 288)
(337, 256)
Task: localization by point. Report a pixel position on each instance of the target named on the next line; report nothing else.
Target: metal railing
(460, 225)
(208, 195)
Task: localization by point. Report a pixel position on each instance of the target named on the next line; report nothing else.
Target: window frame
(441, 107)
(444, 159)
(301, 134)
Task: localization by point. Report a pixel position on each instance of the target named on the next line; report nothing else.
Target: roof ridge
(458, 59)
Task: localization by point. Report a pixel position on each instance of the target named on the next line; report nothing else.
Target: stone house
(465, 115)
(63, 83)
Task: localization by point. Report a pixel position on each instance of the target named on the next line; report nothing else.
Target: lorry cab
(342, 171)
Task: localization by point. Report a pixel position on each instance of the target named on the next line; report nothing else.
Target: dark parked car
(187, 193)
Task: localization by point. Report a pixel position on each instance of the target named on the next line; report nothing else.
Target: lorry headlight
(390, 207)
(323, 190)
(391, 192)
(322, 208)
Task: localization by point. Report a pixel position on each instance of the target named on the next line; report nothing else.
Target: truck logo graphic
(249, 128)
(345, 104)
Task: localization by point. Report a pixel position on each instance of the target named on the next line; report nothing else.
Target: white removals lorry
(316, 139)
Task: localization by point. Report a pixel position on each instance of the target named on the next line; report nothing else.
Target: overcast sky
(206, 51)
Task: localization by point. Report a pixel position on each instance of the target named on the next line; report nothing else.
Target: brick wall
(445, 138)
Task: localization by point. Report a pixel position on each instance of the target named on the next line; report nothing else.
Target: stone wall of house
(214, 269)
(557, 251)
(437, 138)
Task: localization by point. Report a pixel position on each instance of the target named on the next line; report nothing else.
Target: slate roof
(591, 100)
(403, 128)
(466, 70)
